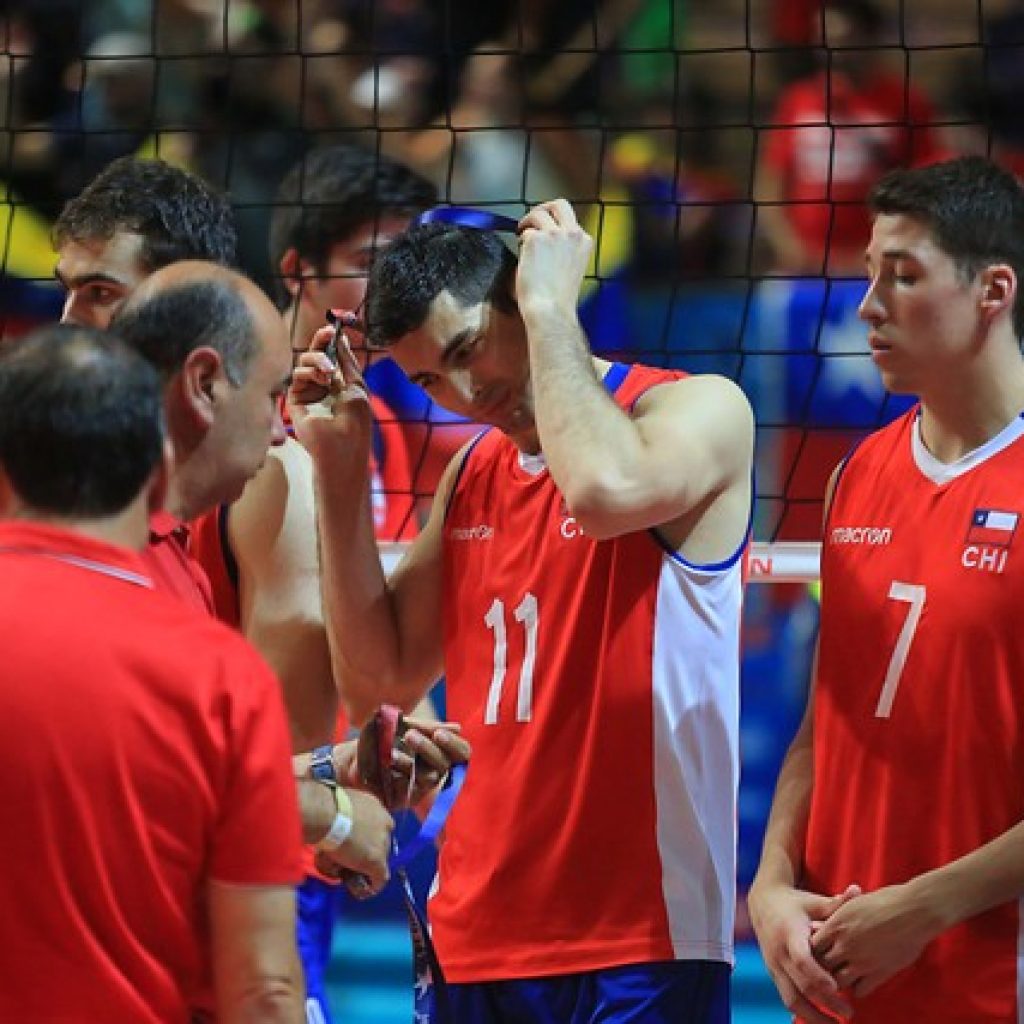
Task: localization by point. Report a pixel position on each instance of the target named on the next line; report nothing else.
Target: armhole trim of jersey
(840, 472)
(462, 468)
(726, 563)
(230, 562)
(614, 376)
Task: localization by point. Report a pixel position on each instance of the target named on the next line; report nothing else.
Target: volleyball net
(719, 154)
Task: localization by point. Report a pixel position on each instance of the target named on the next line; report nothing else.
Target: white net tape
(781, 562)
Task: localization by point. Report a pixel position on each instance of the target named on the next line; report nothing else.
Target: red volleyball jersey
(212, 550)
(919, 709)
(597, 682)
(392, 487)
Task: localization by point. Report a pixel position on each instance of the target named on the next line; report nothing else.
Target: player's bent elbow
(592, 505)
(359, 702)
(358, 712)
(270, 1000)
(362, 695)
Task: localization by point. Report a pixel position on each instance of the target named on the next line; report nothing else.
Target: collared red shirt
(152, 754)
(168, 559)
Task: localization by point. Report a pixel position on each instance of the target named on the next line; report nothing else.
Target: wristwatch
(321, 765)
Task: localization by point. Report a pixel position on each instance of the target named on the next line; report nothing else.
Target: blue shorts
(669, 992)
(317, 907)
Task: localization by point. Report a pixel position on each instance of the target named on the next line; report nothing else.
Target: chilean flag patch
(992, 526)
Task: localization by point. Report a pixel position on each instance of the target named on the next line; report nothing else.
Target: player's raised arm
(385, 635)
(685, 445)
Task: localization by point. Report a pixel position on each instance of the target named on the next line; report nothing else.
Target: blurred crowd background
(718, 150)
(709, 147)
(664, 107)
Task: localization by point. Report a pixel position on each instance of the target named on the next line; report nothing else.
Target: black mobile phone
(339, 319)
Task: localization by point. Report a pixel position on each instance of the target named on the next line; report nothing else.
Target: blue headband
(468, 217)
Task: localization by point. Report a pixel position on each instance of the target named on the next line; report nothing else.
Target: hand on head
(554, 254)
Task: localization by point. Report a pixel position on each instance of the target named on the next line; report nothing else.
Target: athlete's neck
(969, 411)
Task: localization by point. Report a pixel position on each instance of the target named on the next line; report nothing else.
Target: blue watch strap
(321, 766)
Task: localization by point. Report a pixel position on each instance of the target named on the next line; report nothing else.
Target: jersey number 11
(525, 613)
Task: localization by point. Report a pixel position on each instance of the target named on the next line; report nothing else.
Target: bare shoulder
(277, 501)
(706, 425)
(698, 396)
(706, 415)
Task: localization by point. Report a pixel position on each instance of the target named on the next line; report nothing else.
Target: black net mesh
(718, 152)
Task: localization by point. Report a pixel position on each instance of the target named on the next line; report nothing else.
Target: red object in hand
(376, 749)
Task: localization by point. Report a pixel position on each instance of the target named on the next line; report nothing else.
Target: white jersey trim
(942, 472)
(89, 564)
(695, 694)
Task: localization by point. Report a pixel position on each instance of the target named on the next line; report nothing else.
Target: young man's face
(341, 282)
(98, 275)
(474, 361)
(922, 316)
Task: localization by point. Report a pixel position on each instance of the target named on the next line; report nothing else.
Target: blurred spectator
(115, 111)
(831, 136)
(994, 101)
(556, 65)
(250, 129)
(690, 223)
(793, 27)
(31, 73)
(484, 152)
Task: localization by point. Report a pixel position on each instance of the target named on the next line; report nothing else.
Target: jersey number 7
(914, 595)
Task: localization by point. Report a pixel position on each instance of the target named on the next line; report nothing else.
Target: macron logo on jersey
(481, 532)
(990, 526)
(861, 535)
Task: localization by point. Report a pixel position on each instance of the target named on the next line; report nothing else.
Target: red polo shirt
(152, 754)
(169, 561)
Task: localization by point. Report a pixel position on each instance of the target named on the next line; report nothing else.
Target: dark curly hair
(410, 272)
(178, 215)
